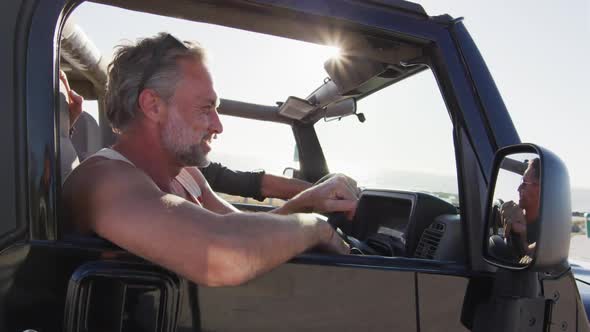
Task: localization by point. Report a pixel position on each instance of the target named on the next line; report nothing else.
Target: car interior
(389, 222)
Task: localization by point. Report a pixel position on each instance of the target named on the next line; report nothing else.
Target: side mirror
(291, 173)
(528, 220)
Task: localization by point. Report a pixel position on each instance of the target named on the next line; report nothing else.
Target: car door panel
(308, 297)
(440, 301)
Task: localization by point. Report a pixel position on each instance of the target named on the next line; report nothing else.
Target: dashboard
(407, 224)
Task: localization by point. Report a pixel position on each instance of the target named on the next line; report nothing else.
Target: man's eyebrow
(213, 102)
(210, 103)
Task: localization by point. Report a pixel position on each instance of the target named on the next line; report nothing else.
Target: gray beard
(179, 141)
(192, 156)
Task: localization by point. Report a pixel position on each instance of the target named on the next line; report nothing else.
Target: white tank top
(186, 180)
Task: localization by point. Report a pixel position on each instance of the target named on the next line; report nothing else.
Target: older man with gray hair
(142, 194)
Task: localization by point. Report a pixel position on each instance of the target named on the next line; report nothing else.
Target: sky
(535, 51)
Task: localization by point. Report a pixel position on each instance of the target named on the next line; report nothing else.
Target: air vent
(429, 241)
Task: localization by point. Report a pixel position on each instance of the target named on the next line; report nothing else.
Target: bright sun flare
(332, 52)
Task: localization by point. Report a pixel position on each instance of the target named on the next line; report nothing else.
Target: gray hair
(127, 70)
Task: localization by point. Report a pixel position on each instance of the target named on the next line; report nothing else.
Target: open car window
(250, 145)
(403, 154)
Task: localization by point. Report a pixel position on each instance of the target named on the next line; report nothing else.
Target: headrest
(86, 138)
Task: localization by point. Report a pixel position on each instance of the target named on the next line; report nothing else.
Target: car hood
(581, 271)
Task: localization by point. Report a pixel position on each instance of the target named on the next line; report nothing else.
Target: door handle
(121, 297)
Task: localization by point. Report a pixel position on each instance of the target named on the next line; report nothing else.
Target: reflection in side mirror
(529, 210)
(514, 225)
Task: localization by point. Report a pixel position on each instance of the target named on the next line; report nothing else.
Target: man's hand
(330, 241)
(513, 218)
(525, 260)
(337, 194)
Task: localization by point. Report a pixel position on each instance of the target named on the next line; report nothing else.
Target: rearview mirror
(295, 108)
(529, 211)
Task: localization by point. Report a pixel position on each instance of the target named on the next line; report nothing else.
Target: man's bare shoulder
(99, 172)
(100, 181)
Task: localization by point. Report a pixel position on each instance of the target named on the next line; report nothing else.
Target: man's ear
(150, 104)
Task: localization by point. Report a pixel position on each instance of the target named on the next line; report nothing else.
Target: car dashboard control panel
(407, 224)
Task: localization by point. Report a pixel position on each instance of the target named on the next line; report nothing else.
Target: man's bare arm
(282, 187)
(124, 206)
(337, 194)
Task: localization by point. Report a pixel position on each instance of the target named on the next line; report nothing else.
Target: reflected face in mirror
(513, 227)
(528, 191)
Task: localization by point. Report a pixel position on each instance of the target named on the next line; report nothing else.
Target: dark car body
(52, 282)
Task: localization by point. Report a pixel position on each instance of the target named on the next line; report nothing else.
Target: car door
(51, 281)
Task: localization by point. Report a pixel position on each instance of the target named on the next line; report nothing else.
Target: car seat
(86, 137)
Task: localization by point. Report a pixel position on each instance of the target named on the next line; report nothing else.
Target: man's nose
(215, 123)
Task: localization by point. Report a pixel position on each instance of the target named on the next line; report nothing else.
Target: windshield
(406, 142)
